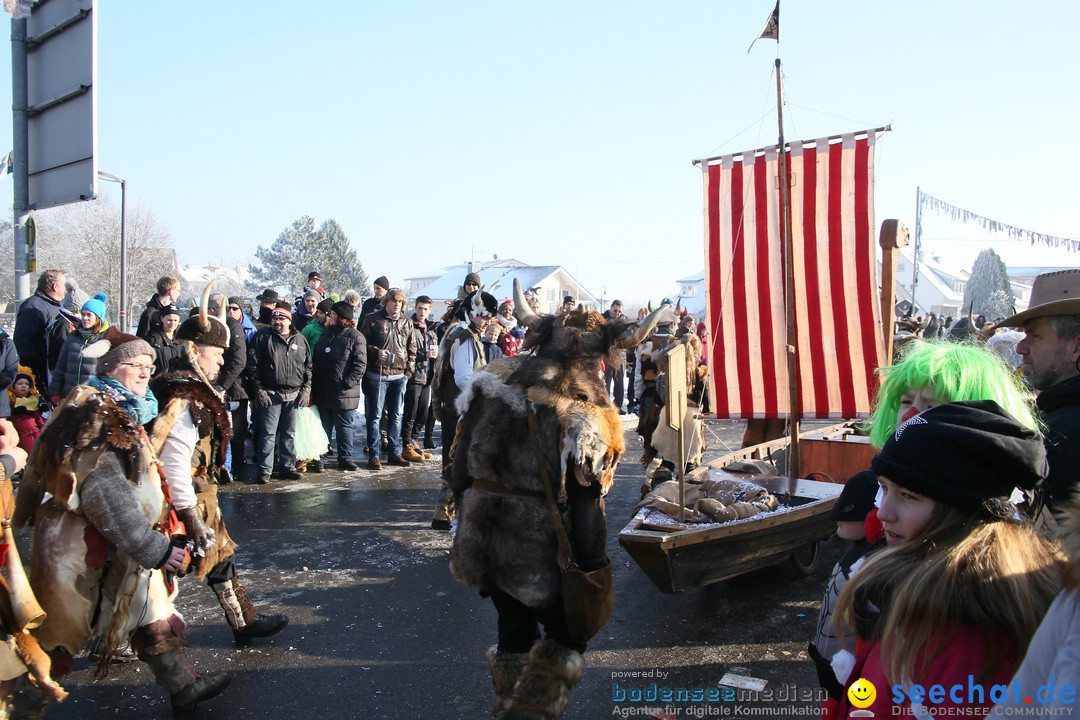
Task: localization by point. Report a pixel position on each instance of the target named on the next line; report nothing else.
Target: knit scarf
(143, 409)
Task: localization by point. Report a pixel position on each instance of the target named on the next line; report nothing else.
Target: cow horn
(522, 311)
(971, 319)
(204, 306)
(634, 335)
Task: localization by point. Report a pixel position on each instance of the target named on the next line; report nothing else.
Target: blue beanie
(96, 305)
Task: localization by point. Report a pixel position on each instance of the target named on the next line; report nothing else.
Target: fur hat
(343, 309)
(857, 498)
(382, 282)
(969, 455)
(202, 328)
(96, 305)
(471, 279)
(481, 304)
(1053, 293)
(124, 347)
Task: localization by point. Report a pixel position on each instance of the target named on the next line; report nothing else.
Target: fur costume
(84, 581)
(184, 391)
(505, 538)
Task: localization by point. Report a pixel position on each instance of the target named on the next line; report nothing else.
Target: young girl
(957, 595)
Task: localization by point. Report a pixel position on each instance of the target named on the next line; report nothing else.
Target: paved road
(379, 628)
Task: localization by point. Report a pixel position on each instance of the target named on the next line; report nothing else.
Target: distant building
(551, 282)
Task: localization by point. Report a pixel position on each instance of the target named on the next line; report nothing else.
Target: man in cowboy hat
(1051, 364)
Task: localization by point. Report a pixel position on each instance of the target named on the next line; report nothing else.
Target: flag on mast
(771, 31)
(837, 315)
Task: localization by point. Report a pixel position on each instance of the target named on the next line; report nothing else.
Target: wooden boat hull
(680, 557)
(695, 556)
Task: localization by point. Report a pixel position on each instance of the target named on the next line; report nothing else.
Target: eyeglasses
(234, 308)
(139, 366)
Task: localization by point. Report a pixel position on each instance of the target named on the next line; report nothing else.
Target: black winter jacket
(277, 364)
(338, 366)
(234, 361)
(1060, 405)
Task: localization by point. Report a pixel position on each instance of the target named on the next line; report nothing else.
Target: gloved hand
(201, 536)
(303, 397)
(262, 398)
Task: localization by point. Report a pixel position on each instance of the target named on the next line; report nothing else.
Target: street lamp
(123, 247)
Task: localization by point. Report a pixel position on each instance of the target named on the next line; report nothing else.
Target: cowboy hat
(1053, 293)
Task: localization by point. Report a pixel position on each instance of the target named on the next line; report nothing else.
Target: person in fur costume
(505, 544)
(102, 553)
(191, 434)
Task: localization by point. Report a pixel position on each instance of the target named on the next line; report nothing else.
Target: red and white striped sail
(837, 314)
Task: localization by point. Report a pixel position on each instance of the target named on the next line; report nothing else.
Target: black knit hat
(324, 306)
(471, 279)
(343, 309)
(969, 455)
(169, 310)
(382, 282)
(857, 498)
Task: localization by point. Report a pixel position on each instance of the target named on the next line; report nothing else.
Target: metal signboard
(61, 102)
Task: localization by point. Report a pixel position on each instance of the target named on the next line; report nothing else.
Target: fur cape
(208, 411)
(86, 425)
(505, 538)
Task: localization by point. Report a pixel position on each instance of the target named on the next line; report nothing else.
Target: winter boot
(410, 454)
(505, 671)
(158, 645)
(543, 689)
(246, 622)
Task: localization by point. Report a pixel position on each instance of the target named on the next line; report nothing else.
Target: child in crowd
(850, 513)
(959, 592)
(26, 414)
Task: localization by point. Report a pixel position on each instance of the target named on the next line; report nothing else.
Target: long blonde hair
(996, 576)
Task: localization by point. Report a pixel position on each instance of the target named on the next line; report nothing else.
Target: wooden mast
(789, 281)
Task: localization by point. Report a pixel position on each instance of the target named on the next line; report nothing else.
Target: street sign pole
(20, 158)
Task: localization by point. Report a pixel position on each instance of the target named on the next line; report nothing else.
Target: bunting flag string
(966, 216)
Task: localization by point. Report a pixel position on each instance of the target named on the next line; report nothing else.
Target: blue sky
(563, 132)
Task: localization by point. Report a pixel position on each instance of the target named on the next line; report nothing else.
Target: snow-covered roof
(447, 286)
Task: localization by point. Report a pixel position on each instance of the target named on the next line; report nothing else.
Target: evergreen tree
(989, 288)
(300, 249)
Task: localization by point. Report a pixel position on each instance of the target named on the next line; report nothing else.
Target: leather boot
(186, 688)
(255, 624)
(505, 671)
(543, 689)
(410, 454)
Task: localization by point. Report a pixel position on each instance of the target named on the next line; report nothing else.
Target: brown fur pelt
(84, 426)
(577, 335)
(39, 664)
(208, 411)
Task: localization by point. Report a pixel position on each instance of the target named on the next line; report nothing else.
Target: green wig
(957, 372)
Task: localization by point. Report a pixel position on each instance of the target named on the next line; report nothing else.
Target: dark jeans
(629, 368)
(275, 428)
(519, 624)
(618, 375)
(417, 402)
(449, 422)
(240, 433)
(378, 391)
(344, 422)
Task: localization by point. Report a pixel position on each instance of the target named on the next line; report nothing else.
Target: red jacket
(963, 656)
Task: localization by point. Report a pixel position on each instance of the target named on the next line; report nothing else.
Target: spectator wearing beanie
(164, 340)
(306, 309)
(964, 582)
(379, 288)
(235, 311)
(77, 361)
(338, 366)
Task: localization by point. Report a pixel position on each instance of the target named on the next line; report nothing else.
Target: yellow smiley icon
(861, 693)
